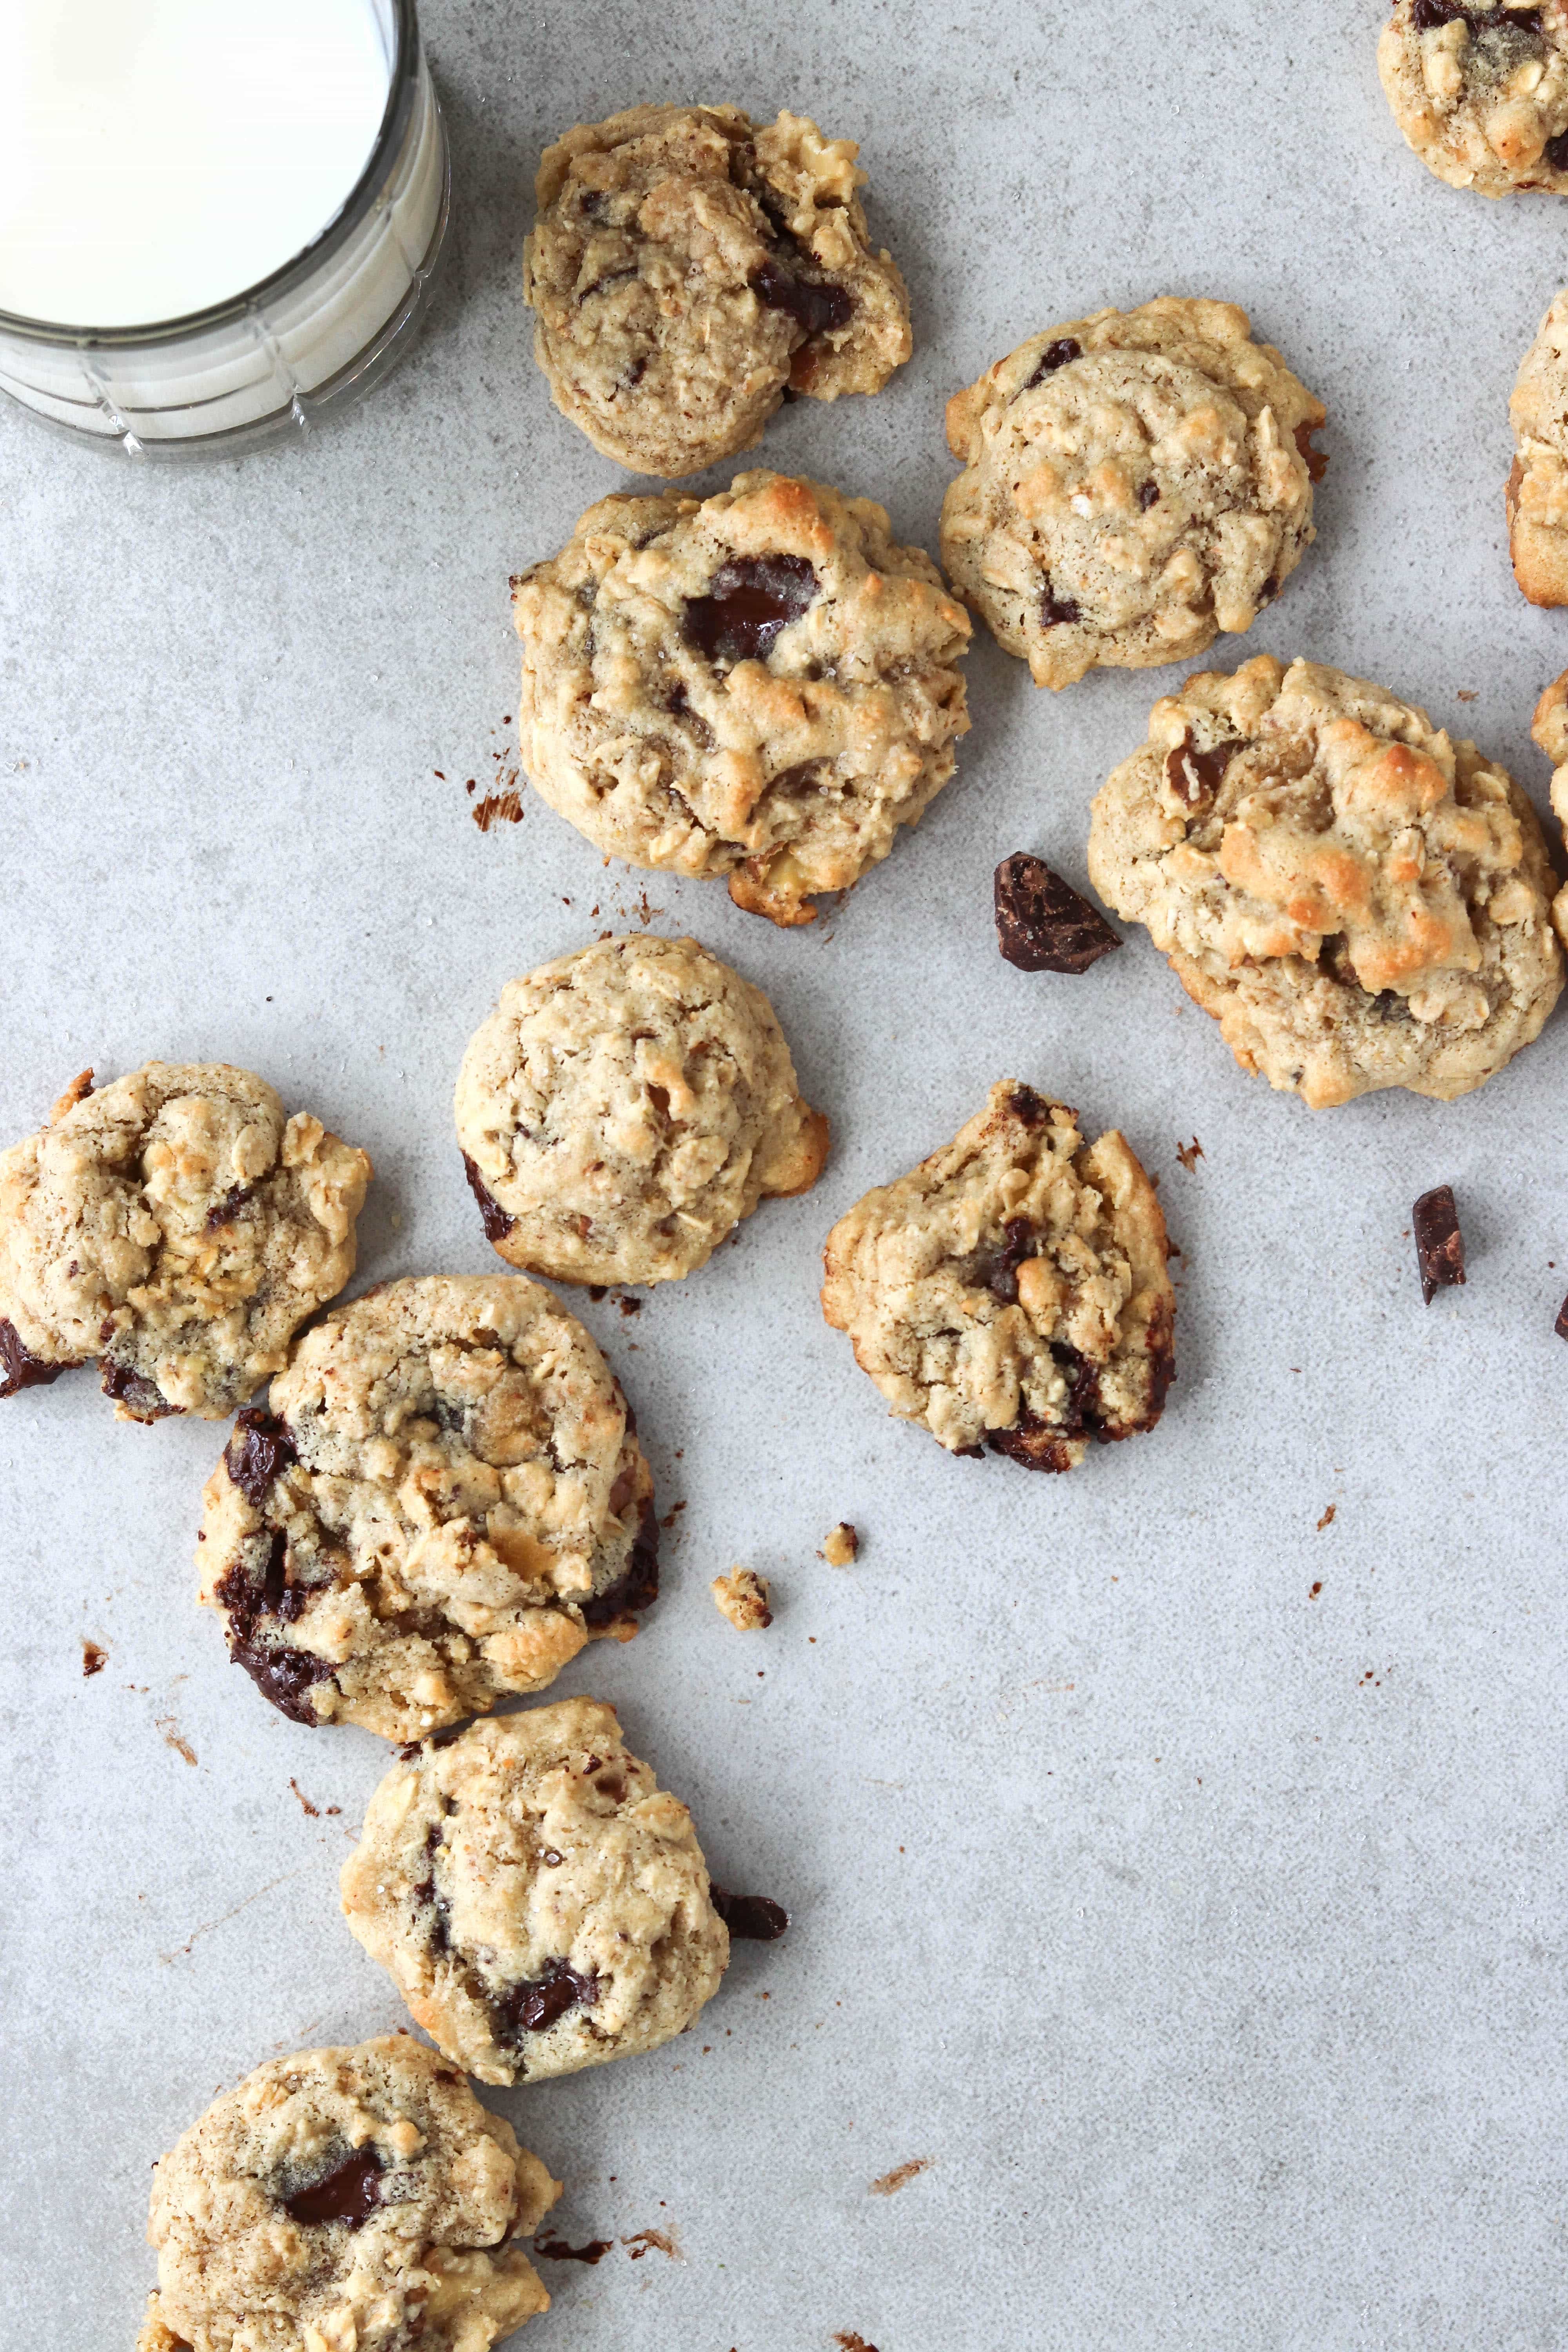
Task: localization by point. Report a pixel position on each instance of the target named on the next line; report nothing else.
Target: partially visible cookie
(623, 1109)
(1481, 92)
(1133, 483)
(760, 685)
(541, 1902)
(1550, 728)
(1359, 901)
(1538, 481)
(1012, 1291)
(445, 1500)
(345, 2200)
(176, 1226)
(687, 268)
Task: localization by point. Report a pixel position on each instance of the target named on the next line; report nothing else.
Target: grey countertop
(1205, 1936)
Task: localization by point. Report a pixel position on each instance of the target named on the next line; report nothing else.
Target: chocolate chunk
(1056, 611)
(141, 1397)
(350, 2194)
(637, 1589)
(1034, 1443)
(533, 2007)
(19, 1368)
(1055, 355)
(1027, 1105)
(1148, 495)
(815, 306)
(556, 2250)
(223, 1212)
(493, 1217)
(283, 1676)
(1042, 924)
(1440, 1244)
(1561, 1326)
(1556, 152)
(1197, 776)
(258, 1451)
(1315, 460)
(753, 597)
(751, 1918)
(1002, 1280)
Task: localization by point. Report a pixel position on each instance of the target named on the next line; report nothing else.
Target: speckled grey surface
(1206, 1936)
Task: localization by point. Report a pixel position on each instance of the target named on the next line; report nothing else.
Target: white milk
(159, 155)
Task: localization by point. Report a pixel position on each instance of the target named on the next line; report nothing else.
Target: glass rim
(343, 222)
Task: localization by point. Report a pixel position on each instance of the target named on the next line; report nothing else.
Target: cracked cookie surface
(1359, 901)
(624, 1107)
(1012, 1291)
(1538, 481)
(760, 685)
(1480, 92)
(176, 1226)
(688, 269)
(345, 2198)
(444, 1502)
(1133, 483)
(541, 1902)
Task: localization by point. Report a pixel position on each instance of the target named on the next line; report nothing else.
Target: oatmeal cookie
(759, 684)
(444, 1502)
(177, 1227)
(1358, 901)
(345, 2200)
(687, 268)
(1481, 92)
(1550, 728)
(1133, 483)
(622, 1109)
(541, 1902)
(1538, 483)
(1012, 1291)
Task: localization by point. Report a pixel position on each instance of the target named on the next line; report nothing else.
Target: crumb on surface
(1328, 1518)
(94, 1657)
(1189, 1154)
(900, 2176)
(841, 1546)
(742, 1597)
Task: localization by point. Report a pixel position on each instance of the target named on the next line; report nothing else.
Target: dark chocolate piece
(19, 1368)
(1561, 1326)
(1027, 1105)
(1001, 1281)
(556, 2250)
(1056, 611)
(223, 1212)
(141, 1397)
(259, 1449)
(496, 1222)
(753, 598)
(1426, 15)
(1055, 355)
(283, 1676)
(1440, 1244)
(534, 2008)
(637, 1588)
(350, 2194)
(1197, 776)
(1148, 495)
(751, 1918)
(1042, 924)
(814, 307)
(1556, 152)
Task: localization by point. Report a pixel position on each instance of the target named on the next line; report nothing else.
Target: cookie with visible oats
(688, 269)
(624, 1107)
(1133, 483)
(1550, 728)
(540, 1902)
(1012, 1291)
(760, 685)
(1538, 481)
(345, 2198)
(1359, 901)
(176, 1226)
(444, 1502)
(1481, 92)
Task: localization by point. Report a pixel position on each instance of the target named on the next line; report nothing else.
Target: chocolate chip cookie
(1133, 483)
(623, 1109)
(1481, 92)
(178, 1228)
(444, 1501)
(760, 685)
(688, 269)
(1012, 1291)
(345, 2200)
(1537, 482)
(1359, 901)
(1550, 728)
(540, 1902)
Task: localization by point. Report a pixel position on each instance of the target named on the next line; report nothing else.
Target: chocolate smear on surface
(496, 1224)
(556, 2250)
(751, 1918)
(1440, 1244)
(1042, 923)
(753, 598)
(350, 2194)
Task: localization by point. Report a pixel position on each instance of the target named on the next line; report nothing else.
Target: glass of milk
(218, 218)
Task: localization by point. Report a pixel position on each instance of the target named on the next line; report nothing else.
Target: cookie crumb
(1189, 1154)
(94, 1658)
(1315, 1590)
(900, 2176)
(1440, 1244)
(314, 1811)
(169, 1731)
(1328, 1518)
(842, 1546)
(643, 2241)
(1465, 694)
(742, 1597)
(847, 2341)
(556, 2250)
